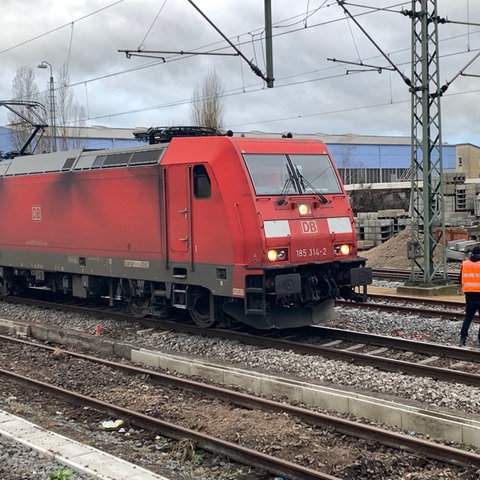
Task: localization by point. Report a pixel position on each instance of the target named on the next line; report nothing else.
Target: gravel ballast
(19, 462)
(425, 390)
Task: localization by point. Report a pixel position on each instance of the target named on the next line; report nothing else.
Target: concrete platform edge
(438, 426)
(75, 455)
(433, 291)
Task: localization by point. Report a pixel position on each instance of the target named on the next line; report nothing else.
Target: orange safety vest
(470, 276)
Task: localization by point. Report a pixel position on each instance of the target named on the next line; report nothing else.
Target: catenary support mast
(428, 267)
(268, 42)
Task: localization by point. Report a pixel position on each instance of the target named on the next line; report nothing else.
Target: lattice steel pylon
(428, 267)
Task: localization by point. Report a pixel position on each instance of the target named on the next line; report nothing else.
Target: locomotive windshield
(277, 174)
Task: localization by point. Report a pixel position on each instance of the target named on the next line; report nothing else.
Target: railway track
(386, 303)
(386, 353)
(148, 422)
(394, 354)
(205, 441)
(395, 274)
(437, 304)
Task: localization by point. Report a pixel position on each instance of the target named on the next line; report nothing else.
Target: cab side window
(201, 182)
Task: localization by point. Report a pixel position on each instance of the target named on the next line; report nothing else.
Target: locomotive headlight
(304, 209)
(277, 255)
(344, 249)
(272, 255)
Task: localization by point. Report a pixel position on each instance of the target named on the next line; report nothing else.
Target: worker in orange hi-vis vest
(470, 279)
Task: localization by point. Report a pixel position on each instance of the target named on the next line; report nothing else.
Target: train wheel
(200, 311)
(139, 306)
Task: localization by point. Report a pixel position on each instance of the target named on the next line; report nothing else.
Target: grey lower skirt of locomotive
(277, 298)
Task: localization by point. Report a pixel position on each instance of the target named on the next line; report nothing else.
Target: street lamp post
(45, 64)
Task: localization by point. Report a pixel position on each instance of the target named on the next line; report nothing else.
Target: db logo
(36, 213)
(309, 226)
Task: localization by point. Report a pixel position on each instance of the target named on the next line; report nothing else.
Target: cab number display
(310, 252)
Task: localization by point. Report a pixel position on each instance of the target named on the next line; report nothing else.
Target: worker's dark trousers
(471, 308)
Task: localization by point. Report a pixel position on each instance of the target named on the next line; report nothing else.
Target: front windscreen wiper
(304, 183)
(286, 185)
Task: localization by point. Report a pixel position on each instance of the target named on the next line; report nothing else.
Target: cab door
(178, 206)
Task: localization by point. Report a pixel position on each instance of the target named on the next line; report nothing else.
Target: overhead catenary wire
(387, 58)
(244, 88)
(255, 88)
(60, 27)
(277, 34)
(141, 44)
(252, 89)
(254, 68)
(210, 51)
(173, 59)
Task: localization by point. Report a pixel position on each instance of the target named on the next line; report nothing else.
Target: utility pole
(427, 201)
(46, 64)
(268, 42)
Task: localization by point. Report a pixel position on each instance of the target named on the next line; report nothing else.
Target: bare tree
(348, 167)
(24, 89)
(70, 114)
(207, 107)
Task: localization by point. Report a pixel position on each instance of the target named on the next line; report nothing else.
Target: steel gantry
(427, 202)
(428, 267)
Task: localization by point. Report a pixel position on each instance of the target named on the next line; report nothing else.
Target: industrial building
(361, 159)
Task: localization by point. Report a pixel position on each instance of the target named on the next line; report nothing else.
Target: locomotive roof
(77, 160)
(73, 160)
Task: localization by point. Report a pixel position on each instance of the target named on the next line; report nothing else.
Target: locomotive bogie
(257, 229)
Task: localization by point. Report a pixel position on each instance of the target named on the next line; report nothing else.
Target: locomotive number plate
(311, 252)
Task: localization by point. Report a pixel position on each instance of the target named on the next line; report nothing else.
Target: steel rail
(358, 430)
(382, 363)
(406, 345)
(431, 301)
(396, 274)
(265, 340)
(407, 309)
(365, 359)
(206, 442)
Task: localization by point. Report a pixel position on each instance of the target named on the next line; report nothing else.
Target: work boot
(463, 341)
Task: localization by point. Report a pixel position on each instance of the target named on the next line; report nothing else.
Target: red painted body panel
(221, 231)
(224, 227)
(110, 212)
(116, 212)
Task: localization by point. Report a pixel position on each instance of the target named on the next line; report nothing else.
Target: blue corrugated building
(361, 159)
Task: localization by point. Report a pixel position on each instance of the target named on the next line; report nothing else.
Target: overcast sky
(311, 93)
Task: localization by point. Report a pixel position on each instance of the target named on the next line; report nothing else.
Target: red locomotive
(256, 229)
